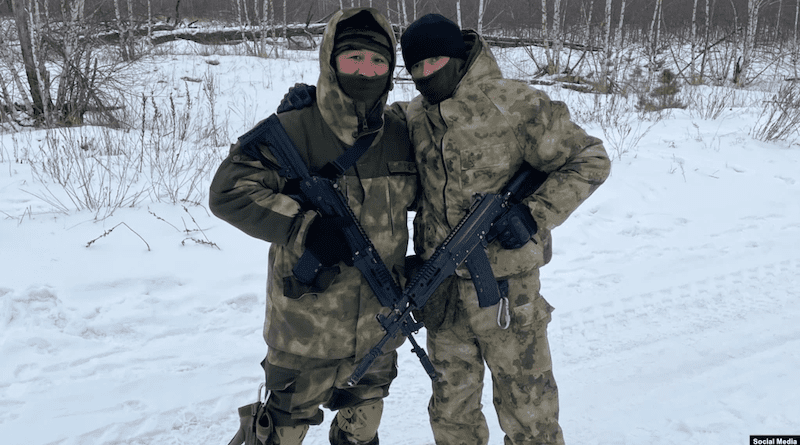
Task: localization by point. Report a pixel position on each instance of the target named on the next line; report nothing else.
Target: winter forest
(612, 46)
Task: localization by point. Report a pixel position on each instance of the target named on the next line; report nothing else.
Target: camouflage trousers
(299, 385)
(525, 394)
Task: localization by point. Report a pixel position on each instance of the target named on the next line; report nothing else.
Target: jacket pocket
(529, 313)
(483, 157)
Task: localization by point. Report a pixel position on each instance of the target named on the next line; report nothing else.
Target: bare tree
(655, 31)
(402, 17)
(796, 17)
(693, 42)
(21, 15)
(546, 37)
(607, 63)
(481, 11)
(748, 46)
(123, 40)
(618, 39)
(558, 36)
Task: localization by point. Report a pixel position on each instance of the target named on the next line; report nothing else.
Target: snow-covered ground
(676, 289)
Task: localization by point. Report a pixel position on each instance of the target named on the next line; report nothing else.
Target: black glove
(327, 242)
(298, 97)
(514, 229)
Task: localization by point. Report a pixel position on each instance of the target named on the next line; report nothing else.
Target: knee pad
(289, 435)
(357, 424)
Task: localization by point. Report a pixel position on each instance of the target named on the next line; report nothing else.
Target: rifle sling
(250, 140)
(272, 133)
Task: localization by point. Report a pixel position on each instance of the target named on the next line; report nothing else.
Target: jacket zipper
(444, 169)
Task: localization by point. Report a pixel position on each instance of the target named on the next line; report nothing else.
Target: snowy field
(676, 289)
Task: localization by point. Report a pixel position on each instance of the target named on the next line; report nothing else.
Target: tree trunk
(123, 46)
(694, 43)
(607, 42)
(748, 47)
(655, 27)
(706, 40)
(618, 39)
(558, 38)
(28, 59)
(796, 48)
(481, 7)
(588, 30)
(548, 51)
(130, 29)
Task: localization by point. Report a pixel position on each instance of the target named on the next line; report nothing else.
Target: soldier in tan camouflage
(316, 339)
(471, 130)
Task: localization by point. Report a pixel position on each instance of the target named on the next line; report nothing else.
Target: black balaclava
(434, 35)
(362, 32)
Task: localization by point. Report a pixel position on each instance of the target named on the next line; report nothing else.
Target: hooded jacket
(340, 321)
(474, 142)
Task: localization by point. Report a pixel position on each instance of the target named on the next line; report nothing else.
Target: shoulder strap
(337, 168)
(291, 165)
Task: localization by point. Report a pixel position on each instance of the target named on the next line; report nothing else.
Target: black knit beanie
(361, 31)
(432, 35)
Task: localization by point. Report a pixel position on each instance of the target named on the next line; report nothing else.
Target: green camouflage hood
(337, 109)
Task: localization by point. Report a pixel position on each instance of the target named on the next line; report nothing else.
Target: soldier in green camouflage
(472, 130)
(316, 339)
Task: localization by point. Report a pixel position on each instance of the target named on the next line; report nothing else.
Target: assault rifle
(465, 243)
(325, 196)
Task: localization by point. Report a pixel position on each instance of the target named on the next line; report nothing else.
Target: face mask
(362, 88)
(441, 84)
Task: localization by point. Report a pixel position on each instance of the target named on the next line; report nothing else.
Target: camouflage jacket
(476, 140)
(339, 322)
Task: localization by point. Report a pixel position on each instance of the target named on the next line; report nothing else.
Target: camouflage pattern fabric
(525, 391)
(299, 385)
(338, 323)
(475, 141)
(472, 143)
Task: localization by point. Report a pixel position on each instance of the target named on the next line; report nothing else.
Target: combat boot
(357, 425)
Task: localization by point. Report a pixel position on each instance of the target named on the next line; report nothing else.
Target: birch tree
(693, 43)
(481, 10)
(558, 37)
(706, 40)
(21, 16)
(607, 63)
(618, 39)
(748, 46)
(655, 30)
(123, 41)
(548, 53)
(796, 47)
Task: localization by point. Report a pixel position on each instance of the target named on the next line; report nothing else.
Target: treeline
(776, 18)
(702, 41)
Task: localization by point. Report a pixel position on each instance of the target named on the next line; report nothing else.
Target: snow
(675, 287)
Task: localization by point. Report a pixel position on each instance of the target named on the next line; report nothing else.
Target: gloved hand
(298, 97)
(327, 242)
(514, 229)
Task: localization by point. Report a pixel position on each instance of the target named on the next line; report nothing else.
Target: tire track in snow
(683, 360)
(635, 322)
